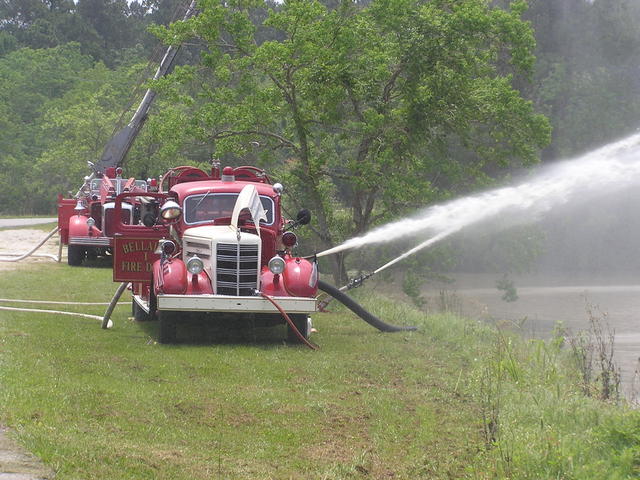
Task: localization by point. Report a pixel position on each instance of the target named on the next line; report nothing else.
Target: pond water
(544, 302)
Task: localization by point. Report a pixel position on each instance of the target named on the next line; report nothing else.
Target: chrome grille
(236, 269)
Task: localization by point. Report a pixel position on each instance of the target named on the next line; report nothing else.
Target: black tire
(302, 324)
(75, 255)
(140, 315)
(167, 329)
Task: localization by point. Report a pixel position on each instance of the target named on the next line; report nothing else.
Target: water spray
(615, 165)
(359, 280)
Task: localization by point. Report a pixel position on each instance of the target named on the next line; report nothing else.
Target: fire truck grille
(236, 269)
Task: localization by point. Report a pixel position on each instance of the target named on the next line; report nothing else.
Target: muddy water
(543, 302)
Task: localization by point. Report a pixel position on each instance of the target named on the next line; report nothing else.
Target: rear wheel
(75, 255)
(302, 323)
(167, 330)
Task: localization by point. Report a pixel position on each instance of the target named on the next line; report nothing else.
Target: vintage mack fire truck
(213, 245)
(84, 219)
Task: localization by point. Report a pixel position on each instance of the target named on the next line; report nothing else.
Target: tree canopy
(364, 109)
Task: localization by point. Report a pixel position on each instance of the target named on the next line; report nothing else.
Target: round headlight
(195, 265)
(170, 210)
(91, 222)
(276, 265)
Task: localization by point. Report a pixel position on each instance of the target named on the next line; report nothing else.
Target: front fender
(170, 276)
(78, 226)
(300, 277)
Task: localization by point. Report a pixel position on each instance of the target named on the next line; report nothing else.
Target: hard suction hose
(358, 310)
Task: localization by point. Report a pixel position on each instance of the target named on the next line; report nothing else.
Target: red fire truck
(213, 244)
(83, 220)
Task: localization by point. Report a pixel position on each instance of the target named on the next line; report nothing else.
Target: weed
(592, 353)
(411, 287)
(449, 302)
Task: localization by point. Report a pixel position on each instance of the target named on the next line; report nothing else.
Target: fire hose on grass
(352, 305)
(109, 323)
(20, 256)
(290, 322)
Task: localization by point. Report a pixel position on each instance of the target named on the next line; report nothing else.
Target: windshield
(209, 206)
(117, 182)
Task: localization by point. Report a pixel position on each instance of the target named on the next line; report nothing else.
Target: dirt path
(16, 464)
(21, 241)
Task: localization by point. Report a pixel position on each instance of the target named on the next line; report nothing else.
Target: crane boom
(118, 146)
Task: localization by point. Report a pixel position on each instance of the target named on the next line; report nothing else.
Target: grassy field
(456, 399)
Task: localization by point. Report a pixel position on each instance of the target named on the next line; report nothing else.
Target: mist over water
(608, 169)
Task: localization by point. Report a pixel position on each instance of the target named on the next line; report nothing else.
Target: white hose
(109, 324)
(30, 253)
(51, 302)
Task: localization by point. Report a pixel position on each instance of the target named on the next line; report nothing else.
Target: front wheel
(75, 255)
(139, 313)
(167, 328)
(302, 323)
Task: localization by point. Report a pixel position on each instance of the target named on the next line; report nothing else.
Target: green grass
(115, 404)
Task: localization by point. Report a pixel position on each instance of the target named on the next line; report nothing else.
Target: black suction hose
(348, 302)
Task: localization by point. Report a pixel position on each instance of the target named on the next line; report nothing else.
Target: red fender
(271, 284)
(199, 284)
(300, 277)
(170, 276)
(78, 226)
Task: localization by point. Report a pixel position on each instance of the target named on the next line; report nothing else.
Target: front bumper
(91, 241)
(225, 303)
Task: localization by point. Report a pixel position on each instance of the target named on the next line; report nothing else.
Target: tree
(363, 106)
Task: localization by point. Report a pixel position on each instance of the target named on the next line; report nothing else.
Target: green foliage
(411, 287)
(586, 80)
(507, 285)
(342, 98)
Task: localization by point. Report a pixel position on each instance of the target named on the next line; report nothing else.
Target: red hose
(290, 322)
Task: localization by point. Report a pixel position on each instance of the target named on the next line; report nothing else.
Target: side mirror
(304, 217)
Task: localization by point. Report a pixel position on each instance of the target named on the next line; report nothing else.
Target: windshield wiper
(195, 209)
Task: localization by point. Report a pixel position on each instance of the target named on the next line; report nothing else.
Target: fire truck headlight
(91, 222)
(276, 265)
(195, 265)
(170, 210)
